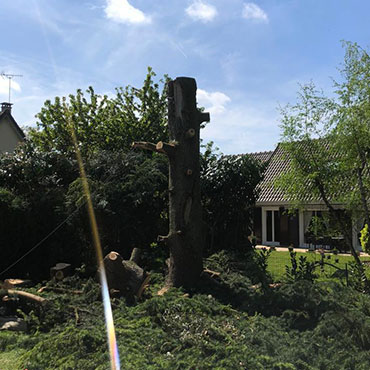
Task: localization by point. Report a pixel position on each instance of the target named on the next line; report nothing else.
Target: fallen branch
(28, 296)
(59, 290)
(144, 285)
(212, 273)
(164, 290)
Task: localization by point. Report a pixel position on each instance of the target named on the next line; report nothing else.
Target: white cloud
(122, 11)
(254, 12)
(201, 11)
(4, 86)
(244, 128)
(214, 102)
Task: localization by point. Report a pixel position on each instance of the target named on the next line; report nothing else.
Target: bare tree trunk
(186, 237)
(347, 236)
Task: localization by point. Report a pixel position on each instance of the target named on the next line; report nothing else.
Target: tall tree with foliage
(39, 184)
(327, 141)
(351, 126)
(102, 122)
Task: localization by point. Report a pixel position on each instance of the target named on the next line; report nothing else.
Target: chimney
(6, 106)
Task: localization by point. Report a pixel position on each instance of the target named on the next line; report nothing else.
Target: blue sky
(247, 57)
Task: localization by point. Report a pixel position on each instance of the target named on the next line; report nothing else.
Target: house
(10, 133)
(275, 226)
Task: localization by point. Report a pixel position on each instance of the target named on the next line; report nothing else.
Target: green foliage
(299, 325)
(327, 141)
(40, 186)
(129, 191)
(351, 126)
(40, 190)
(104, 123)
(301, 269)
(32, 188)
(357, 278)
(365, 238)
(238, 271)
(228, 185)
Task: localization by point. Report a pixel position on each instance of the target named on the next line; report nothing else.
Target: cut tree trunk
(124, 278)
(186, 235)
(60, 271)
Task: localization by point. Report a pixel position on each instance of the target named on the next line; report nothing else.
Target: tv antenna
(9, 77)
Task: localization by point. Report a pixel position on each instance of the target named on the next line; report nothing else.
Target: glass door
(273, 226)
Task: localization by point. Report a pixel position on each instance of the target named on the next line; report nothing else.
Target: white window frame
(264, 226)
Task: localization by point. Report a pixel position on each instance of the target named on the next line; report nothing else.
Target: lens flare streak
(112, 343)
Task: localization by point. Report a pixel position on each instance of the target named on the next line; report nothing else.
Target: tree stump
(60, 271)
(124, 278)
(185, 238)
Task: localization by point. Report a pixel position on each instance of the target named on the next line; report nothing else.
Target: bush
(228, 185)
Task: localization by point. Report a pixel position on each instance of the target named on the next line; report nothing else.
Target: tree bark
(186, 236)
(124, 278)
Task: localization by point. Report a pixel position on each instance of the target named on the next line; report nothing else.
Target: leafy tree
(40, 188)
(104, 123)
(327, 141)
(351, 126)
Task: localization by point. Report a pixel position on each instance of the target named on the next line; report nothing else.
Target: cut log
(60, 271)
(16, 283)
(124, 277)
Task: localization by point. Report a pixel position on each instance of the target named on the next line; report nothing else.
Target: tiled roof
(277, 165)
(280, 163)
(261, 156)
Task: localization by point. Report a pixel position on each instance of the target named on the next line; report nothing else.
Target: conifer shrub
(298, 325)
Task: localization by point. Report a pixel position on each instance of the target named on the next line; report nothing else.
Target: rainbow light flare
(112, 342)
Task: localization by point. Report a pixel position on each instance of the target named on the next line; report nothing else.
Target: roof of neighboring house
(261, 156)
(7, 113)
(278, 164)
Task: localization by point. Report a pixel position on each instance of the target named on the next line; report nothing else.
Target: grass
(278, 260)
(10, 360)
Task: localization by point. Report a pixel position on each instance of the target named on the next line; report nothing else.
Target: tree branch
(144, 145)
(166, 148)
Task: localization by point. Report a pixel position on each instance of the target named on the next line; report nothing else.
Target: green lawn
(278, 260)
(9, 360)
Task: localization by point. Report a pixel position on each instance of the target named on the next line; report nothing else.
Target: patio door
(273, 227)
